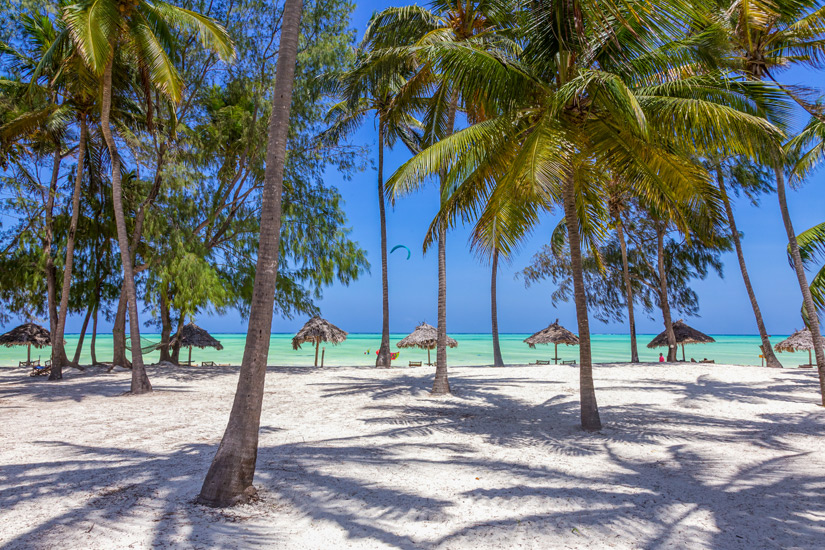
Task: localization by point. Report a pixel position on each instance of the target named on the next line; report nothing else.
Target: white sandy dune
(691, 456)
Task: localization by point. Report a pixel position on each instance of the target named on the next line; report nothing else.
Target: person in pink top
(661, 358)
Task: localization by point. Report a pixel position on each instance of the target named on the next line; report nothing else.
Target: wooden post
(190, 356)
(429, 362)
(556, 353)
(317, 344)
(323, 352)
(683, 353)
(29, 354)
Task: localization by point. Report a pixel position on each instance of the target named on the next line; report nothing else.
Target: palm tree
(574, 103)
(767, 348)
(99, 29)
(408, 29)
(363, 92)
(230, 476)
(766, 37)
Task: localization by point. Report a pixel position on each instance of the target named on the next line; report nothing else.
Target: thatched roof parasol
(801, 340)
(424, 337)
(318, 330)
(554, 334)
(684, 335)
(193, 336)
(27, 335)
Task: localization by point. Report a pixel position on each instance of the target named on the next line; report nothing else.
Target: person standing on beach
(661, 358)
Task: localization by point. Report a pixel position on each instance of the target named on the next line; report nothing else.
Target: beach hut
(193, 336)
(424, 337)
(801, 340)
(554, 334)
(318, 330)
(27, 335)
(684, 335)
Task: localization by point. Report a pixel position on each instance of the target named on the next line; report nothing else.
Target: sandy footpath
(691, 456)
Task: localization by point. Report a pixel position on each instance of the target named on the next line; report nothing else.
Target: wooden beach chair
(568, 362)
(415, 363)
(207, 363)
(542, 362)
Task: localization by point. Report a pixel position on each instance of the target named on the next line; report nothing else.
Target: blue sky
(724, 307)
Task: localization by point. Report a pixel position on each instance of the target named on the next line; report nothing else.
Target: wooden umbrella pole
(683, 353)
(190, 356)
(429, 362)
(317, 345)
(556, 353)
(29, 354)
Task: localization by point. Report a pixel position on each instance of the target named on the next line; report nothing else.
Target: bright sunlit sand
(698, 456)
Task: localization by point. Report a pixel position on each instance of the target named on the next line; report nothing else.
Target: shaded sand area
(699, 456)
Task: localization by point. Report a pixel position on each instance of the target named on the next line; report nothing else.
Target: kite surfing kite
(396, 247)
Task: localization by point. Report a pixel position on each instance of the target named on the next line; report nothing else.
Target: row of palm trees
(588, 107)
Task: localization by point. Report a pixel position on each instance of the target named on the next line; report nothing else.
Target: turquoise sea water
(473, 349)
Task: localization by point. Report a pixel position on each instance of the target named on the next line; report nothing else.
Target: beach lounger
(806, 366)
(38, 370)
(569, 362)
(542, 362)
(207, 363)
(415, 363)
(186, 363)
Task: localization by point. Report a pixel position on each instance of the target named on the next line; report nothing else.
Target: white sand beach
(691, 456)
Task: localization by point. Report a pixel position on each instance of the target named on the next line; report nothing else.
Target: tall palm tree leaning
(573, 104)
(761, 36)
(230, 476)
(100, 29)
(362, 90)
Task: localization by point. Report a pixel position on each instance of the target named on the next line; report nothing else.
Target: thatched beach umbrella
(27, 335)
(424, 337)
(684, 335)
(800, 340)
(554, 334)
(193, 336)
(318, 330)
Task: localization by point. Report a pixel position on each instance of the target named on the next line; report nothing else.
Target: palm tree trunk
(176, 346)
(119, 333)
(664, 302)
(94, 336)
(441, 384)
(497, 360)
(807, 299)
(166, 326)
(631, 318)
(59, 359)
(589, 408)
(767, 349)
(58, 353)
(383, 359)
(79, 349)
(230, 477)
(140, 382)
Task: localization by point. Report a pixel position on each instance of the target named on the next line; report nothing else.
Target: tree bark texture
(230, 476)
(807, 299)
(631, 318)
(384, 358)
(140, 382)
(497, 360)
(79, 349)
(587, 392)
(664, 302)
(59, 359)
(441, 384)
(767, 349)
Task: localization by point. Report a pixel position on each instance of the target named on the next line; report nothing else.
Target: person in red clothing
(661, 358)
